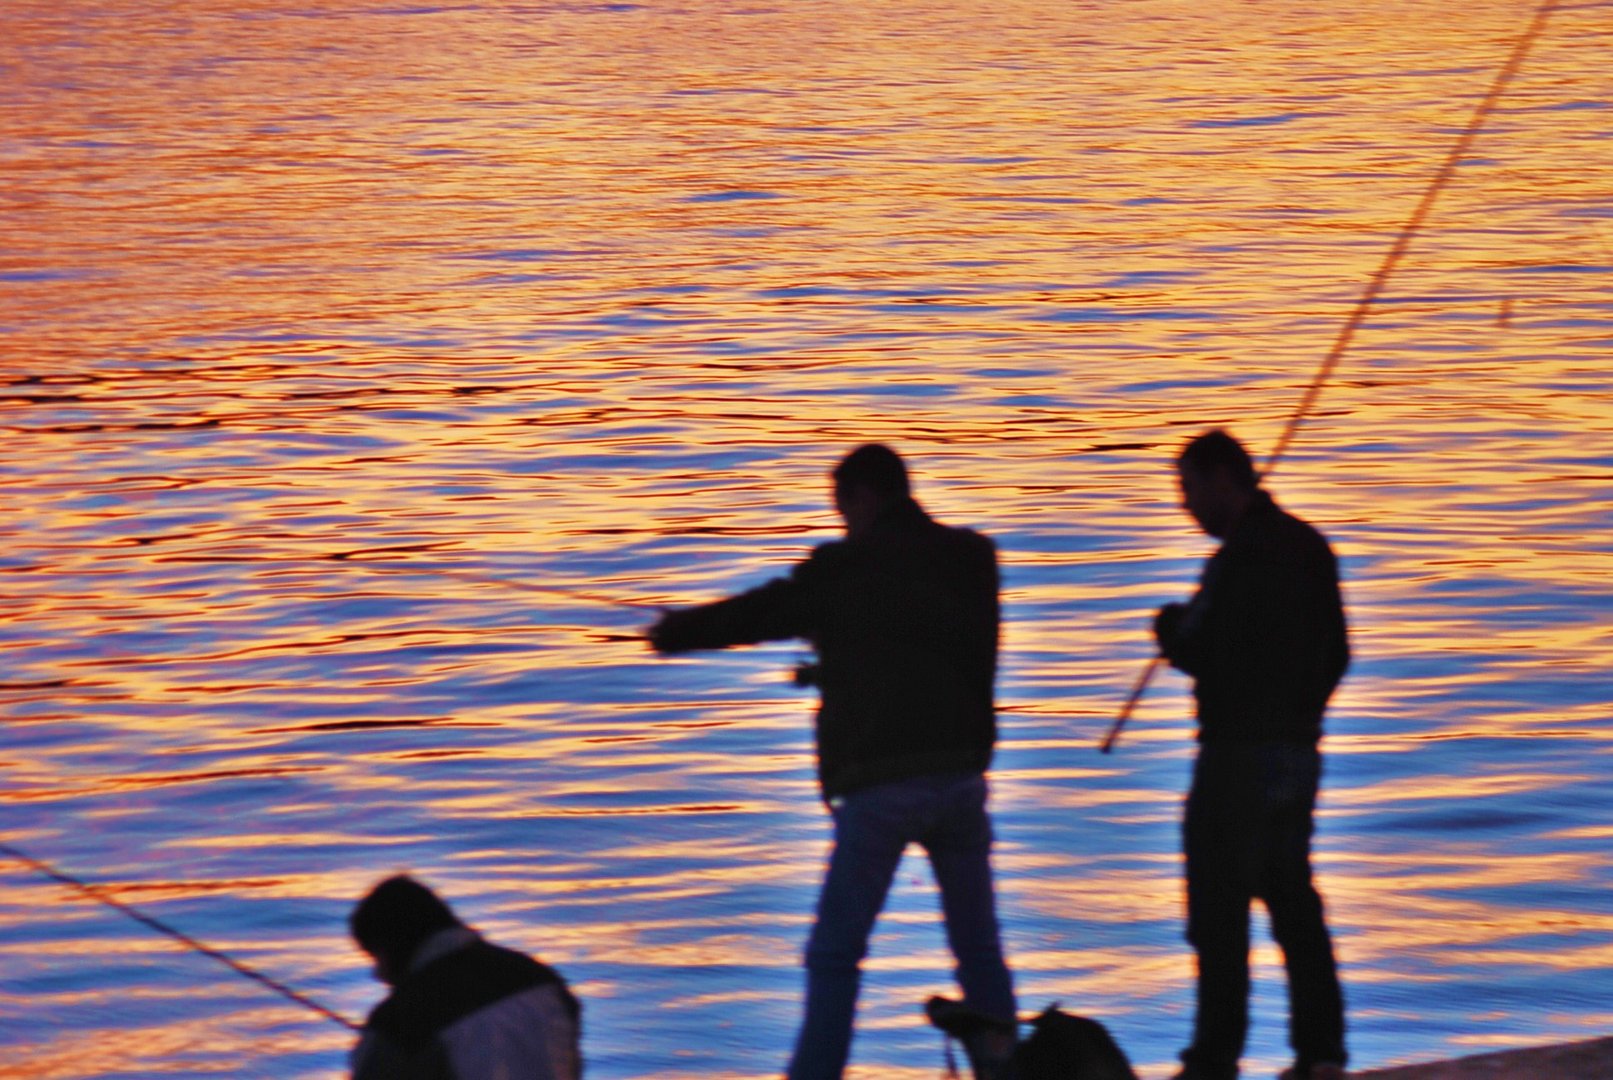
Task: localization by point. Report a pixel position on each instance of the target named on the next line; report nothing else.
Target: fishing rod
(1375, 286)
(584, 595)
(641, 606)
(100, 896)
(557, 590)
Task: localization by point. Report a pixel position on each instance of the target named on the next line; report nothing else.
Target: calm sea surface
(335, 333)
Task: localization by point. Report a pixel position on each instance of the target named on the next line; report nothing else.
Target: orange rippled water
(369, 371)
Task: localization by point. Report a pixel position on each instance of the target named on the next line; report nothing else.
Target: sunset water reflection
(372, 371)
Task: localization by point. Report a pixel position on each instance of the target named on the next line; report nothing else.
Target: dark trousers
(1247, 835)
(946, 815)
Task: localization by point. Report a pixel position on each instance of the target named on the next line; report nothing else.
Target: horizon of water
(341, 340)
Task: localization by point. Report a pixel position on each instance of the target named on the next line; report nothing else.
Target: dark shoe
(1194, 1071)
(1322, 1070)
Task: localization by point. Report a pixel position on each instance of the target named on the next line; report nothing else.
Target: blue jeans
(946, 814)
(1247, 834)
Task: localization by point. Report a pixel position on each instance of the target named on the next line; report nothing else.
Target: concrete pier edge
(1591, 1059)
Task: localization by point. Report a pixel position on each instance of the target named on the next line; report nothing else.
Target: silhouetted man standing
(904, 615)
(1265, 642)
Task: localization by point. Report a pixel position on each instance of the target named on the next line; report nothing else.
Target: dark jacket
(904, 619)
(1265, 637)
(468, 1010)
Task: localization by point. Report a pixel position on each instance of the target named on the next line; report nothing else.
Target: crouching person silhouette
(460, 1008)
(903, 613)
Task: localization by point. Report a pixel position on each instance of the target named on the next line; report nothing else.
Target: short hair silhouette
(1218, 450)
(874, 466)
(397, 916)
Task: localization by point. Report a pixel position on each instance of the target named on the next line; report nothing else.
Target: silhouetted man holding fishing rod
(904, 615)
(1265, 642)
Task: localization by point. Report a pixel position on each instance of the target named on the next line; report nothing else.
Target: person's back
(906, 634)
(460, 1008)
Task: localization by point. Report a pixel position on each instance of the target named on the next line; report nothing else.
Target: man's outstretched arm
(772, 612)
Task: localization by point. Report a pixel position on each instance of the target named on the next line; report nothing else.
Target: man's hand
(662, 634)
(1166, 623)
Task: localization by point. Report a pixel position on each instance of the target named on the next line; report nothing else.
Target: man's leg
(867, 848)
(959, 846)
(1298, 922)
(1221, 839)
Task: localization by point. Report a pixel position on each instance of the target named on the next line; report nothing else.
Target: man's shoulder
(1282, 535)
(956, 540)
(967, 543)
(1302, 531)
(456, 985)
(971, 537)
(826, 556)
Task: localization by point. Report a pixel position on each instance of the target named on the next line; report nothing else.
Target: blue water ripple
(738, 195)
(1257, 121)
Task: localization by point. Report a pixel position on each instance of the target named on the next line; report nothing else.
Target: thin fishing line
(555, 590)
(1375, 286)
(522, 586)
(99, 895)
